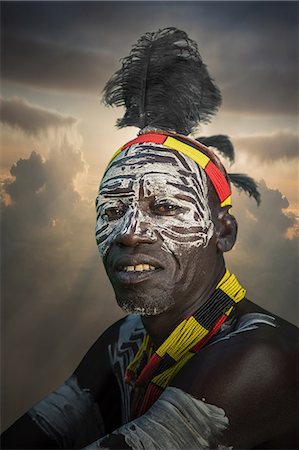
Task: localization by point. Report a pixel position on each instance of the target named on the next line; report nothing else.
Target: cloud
(269, 148)
(51, 65)
(261, 91)
(55, 296)
(255, 66)
(30, 118)
(265, 260)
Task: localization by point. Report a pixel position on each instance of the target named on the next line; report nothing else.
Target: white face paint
(179, 212)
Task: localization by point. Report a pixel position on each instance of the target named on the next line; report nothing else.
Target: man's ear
(226, 230)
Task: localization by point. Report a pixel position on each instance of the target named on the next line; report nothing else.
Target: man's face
(153, 227)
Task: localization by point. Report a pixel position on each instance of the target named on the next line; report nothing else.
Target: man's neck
(160, 327)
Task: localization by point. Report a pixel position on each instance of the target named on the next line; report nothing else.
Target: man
(194, 364)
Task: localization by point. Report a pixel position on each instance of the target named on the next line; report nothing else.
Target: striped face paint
(157, 193)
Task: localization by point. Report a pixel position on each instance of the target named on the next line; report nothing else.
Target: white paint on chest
(148, 171)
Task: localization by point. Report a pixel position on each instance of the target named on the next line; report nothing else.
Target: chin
(145, 306)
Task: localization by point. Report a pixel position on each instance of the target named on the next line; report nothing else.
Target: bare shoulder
(265, 352)
(252, 376)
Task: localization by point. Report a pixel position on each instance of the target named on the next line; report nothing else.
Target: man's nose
(132, 239)
(134, 236)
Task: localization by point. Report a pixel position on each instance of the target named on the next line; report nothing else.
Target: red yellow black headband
(194, 150)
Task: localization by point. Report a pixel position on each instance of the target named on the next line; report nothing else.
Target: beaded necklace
(151, 372)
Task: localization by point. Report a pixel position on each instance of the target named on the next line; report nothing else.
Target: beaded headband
(203, 157)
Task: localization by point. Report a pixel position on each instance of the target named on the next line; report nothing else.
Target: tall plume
(163, 84)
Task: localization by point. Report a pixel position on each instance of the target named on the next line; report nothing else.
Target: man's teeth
(139, 268)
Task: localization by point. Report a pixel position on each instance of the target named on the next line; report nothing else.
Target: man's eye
(165, 209)
(114, 213)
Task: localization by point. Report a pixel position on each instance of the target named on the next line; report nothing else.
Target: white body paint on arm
(176, 421)
(69, 416)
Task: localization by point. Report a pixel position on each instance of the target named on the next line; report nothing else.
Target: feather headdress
(164, 85)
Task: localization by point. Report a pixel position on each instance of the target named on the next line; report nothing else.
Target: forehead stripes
(193, 151)
(167, 177)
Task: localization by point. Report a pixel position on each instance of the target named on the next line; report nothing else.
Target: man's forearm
(66, 418)
(177, 420)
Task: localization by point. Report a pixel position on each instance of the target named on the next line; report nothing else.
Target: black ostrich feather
(163, 84)
(247, 184)
(221, 142)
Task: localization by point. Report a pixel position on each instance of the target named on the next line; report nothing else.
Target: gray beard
(145, 305)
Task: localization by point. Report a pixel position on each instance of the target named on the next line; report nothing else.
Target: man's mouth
(130, 271)
(138, 268)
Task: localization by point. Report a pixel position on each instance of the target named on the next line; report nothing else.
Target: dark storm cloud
(269, 148)
(268, 90)
(255, 60)
(50, 65)
(250, 47)
(31, 119)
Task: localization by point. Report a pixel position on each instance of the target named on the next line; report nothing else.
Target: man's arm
(239, 393)
(90, 396)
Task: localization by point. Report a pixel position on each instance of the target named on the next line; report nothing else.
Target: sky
(57, 137)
